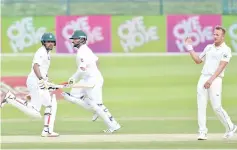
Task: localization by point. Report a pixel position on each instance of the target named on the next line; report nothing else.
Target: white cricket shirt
(212, 56)
(87, 59)
(42, 58)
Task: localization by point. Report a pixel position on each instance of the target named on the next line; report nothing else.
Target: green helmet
(46, 37)
(79, 34)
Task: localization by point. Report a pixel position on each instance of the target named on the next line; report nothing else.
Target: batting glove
(71, 81)
(51, 89)
(43, 84)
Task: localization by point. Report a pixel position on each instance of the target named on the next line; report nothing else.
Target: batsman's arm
(82, 68)
(37, 71)
(76, 75)
(38, 61)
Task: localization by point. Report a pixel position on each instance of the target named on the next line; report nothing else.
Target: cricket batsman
(89, 97)
(215, 56)
(38, 86)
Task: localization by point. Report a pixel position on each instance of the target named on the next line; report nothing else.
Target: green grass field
(149, 96)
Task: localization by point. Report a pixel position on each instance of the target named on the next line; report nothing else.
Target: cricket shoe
(230, 133)
(202, 136)
(47, 134)
(111, 130)
(7, 97)
(95, 117)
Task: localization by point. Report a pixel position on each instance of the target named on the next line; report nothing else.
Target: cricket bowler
(90, 77)
(38, 86)
(215, 56)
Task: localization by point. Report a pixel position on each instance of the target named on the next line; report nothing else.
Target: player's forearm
(80, 71)
(219, 70)
(77, 74)
(37, 71)
(195, 57)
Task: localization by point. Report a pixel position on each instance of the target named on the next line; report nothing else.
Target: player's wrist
(71, 80)
(189, 47)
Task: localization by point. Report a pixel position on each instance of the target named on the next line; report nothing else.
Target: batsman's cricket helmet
(48, 37)
(79, 34)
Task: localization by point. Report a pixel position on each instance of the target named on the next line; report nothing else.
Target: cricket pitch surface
(112, 138)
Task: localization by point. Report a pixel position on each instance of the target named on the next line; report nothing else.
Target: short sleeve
(202, 56)
(87, 58)
(38, 58)
(226, 55)
(83, 62)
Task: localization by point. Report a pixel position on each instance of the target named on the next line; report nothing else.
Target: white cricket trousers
(38, 97)
(94, 100)
(41, 97)
(214, 94)
(95, 94)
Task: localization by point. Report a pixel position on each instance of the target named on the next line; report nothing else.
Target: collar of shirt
(219, 47)
(46, 52)
(43, 48)
(83, 46)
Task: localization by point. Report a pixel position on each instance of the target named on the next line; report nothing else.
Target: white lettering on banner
(23, 34)
(233, 36)
(133, 33)
(82, 23)
(192, 28)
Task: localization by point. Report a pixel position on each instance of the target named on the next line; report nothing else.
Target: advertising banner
(199, 27)
(138, 34)
(23, 34)
(97, 29)
(230, 23)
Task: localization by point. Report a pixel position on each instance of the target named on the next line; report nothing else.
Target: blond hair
(220, 28)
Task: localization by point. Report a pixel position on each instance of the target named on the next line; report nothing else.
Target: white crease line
(111, 138)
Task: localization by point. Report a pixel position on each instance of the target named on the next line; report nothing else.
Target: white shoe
(111, 130)
(202, 136)
(95, 117)
(8, 96)
(47, 134)
(230, 133)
